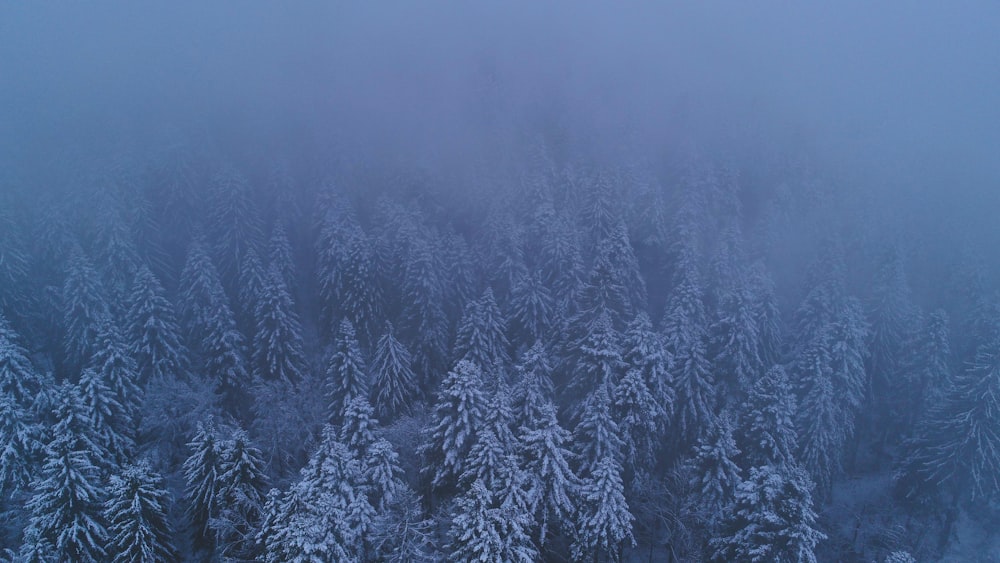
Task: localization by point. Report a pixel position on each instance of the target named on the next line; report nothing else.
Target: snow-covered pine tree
(383, 475)
(482, 339)
(277, 347)
(424, 324)
(202, 470)
(479, 531)
(346, 372)
(643, 351)
(154, 336)
(457, 417)
(239, 497)
(598, 361)
(553, 486)
(394, 385)
(604, 523)
(532, 385)
(233, 220)
(531, 310)
(714, 470)
(357, 431)
(85, 306)
(65, 506)
(18, 378)
(766, 433)
(136, 513)
(116, 368)
(279, 255)
(597, 433)
(106, 417)
(770, 519)
(19, 446)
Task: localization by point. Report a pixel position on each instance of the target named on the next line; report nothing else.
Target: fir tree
(277, 351)
(394, 385)
(84, 309)
(234, 221)
(357, 430)
(531, 309)
(597, 432)
(65, 506)
(714, 468)
(770, 519)
(383, 475)
(533, 385)
(424, 324)
(346, 372)
(136, 512)
(154, 336)
(240, 496)
(553, 486)
(480, 533)
(19, 446)
(201, 474)
(18, 379)
(481, 337)
(604, 520)
(767, 433)
(643, 352)
(457, 416)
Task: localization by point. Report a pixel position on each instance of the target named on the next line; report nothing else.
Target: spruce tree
(553, 485)
(394, 385)
(277, 347)
(346, 372)
(153, 333)
(482, 338)
(85, 307)
(136, 512)
(457, 416)
(766, 431)
(202, 470)
(604, 523)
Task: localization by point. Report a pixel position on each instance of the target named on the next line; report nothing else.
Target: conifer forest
(499, 282)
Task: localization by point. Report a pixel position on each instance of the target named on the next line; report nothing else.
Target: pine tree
(279, 254)
(240, 496)
(136, 512)
(394, 386)
(735, 340)
(961, 446)
(767, 433)
(561, 260)
(604, 520)
(19, 446)
(252, 280)
(84, 308)
(200, 294)
(637, 413)
(202, 472)
(18, 378)
(154, 336)
(457, 416)
(65, 506)
(482, 338)
(599, 360)
(234, 221)
(116, 369)
(357, 430)
(531, 309)
(346, 372)
(359, 294)
(553, 486)
(643, 351)
(383, 475)
(597, 432)
(424, 324)
(480, 533)
(714, 468)
(770, 519)
(326, 515)
(685, 336)
(532, 387)
(106, 416)
(278, 351)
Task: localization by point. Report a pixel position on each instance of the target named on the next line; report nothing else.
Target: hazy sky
(885, 82)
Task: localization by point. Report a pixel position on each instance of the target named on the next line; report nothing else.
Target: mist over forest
(499, 281)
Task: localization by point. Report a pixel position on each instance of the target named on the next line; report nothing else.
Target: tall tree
(482, 338)
(458, 414)
(604, 520)
(136, 512)
(770, 519)
(766, 431)
(346, 372)
(394, 385)
(554, 487)
(278, 350)
(85, 306)
(154, 336)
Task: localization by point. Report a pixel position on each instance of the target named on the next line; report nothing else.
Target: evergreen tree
(553, 486)
(154, 336)
(357, 430)
(402, 535)
(136, 512)
(533, 385)
(117, 370)
(277, 352)
(279, 254)
(19, 446)
(767, 432)
(714, 468)
(531, 309)
(604, 520)
(200, 294)
(239, 496)
(84, 309)
(383, 475)
(202, 472)
(597, 431)
(457, 417)
(106, 416)
(481, 338)
(735, 340)
(65, 507)
(18, 379)
(346, 372)
(599, 360)
(252, 280)
(685, 336)
(234, 221)
(394, 385)
(770, 519)
(644, 353)
(424, 324)
(479, 531)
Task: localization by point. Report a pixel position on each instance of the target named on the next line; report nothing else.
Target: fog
(755, 239)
